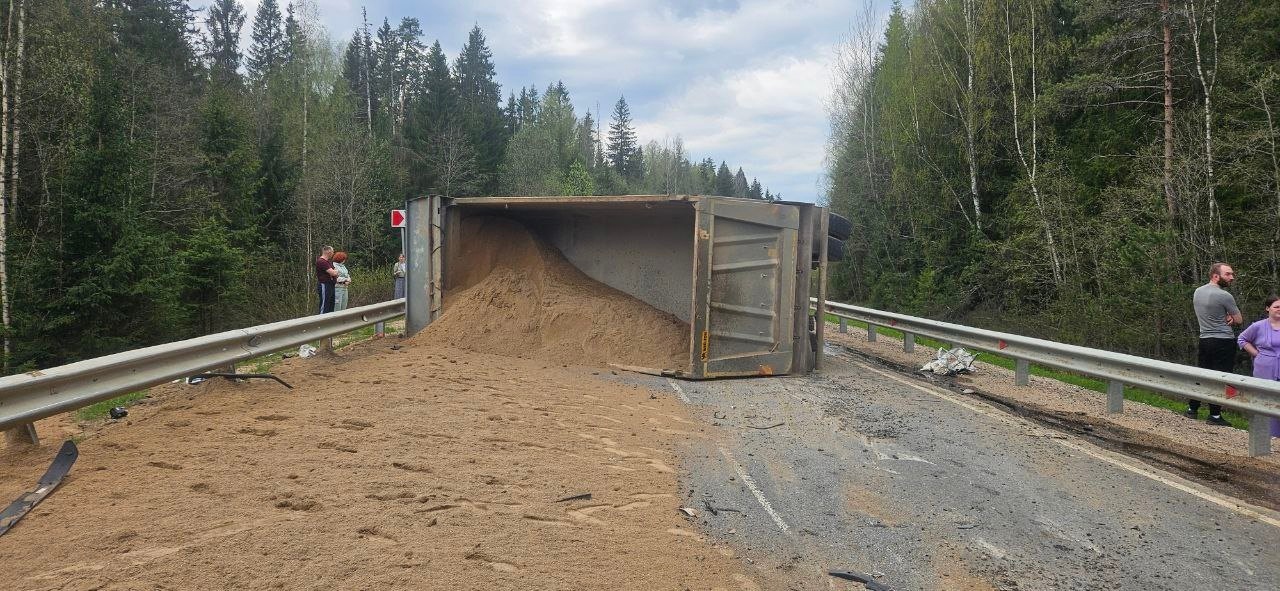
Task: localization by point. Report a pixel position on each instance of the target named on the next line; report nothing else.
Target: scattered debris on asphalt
(48, 483)
(581, 497)
(950, 363)
(118, 412)
(195, 379)
(689, 511)
(716, 511)
(768, 427)
(867, 580)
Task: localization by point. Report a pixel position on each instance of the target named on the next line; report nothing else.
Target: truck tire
(839, 226)
(835, 251)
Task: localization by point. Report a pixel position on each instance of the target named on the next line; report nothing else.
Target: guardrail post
(25, 433)
(1022, 372)
(844, 326)
(871, 333)
(908, 342)
(1115, 397)
(1259, 435)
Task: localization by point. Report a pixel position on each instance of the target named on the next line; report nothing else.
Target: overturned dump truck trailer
(739, 272)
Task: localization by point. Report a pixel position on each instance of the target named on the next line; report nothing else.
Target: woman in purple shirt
(1262, 342)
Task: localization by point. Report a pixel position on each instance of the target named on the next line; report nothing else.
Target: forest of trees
(156, 183)
(1060, 168)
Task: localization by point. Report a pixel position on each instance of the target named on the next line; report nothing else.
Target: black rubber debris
(857, 577)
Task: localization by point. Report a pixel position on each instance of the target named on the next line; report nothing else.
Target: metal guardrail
(1256, 398)
(35, 395)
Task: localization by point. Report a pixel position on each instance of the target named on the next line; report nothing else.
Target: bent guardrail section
(35, 395)
(1254, 397)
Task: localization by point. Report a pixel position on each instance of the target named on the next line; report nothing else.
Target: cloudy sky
(744, 81)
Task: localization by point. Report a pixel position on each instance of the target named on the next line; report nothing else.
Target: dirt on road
(387, 466)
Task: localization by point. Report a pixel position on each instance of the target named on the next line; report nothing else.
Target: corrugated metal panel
(748, 254)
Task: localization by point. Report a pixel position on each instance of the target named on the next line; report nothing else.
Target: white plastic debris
(306, 351)
(949, 363)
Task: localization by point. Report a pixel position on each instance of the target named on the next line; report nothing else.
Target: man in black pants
(1216, 312)
(326, 278)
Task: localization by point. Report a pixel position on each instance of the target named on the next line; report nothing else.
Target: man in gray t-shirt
(1216, 311)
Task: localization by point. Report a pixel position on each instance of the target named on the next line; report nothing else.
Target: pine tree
(225, 21)
(623, 146)
(267, 45)
(756, 191)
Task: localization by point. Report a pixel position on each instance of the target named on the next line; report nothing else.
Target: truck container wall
(736, 270)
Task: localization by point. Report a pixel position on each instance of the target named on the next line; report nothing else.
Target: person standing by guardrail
(1216, 312)
(1262, 342)
(340, 281)
(399, 271)
(326, 277)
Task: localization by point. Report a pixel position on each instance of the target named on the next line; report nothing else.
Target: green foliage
(99, 410)
(156, 195)
(578, 181)
(1055, 217)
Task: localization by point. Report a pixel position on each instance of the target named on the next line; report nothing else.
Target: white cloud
(744, 81)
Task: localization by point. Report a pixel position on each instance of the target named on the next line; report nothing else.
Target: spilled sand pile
(510, 293)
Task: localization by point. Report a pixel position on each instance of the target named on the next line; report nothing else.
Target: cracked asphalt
(926, 489)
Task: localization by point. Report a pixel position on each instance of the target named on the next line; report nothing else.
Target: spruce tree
(438, 103)
(740, 185)
(385, 71)
(756, 191)
(623, 146)
(587, 141)
(293, 39)
(724, 181)
(479, 100)
(225, 21)
(267, 45)
(509, 115)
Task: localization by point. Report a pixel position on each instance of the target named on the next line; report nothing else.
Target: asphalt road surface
(859, 468)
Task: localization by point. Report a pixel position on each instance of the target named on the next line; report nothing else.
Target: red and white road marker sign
(398, 219)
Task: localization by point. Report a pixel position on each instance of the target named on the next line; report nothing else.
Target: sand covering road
(511, 293)
(420, 468)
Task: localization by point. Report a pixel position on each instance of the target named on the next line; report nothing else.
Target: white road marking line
(1263, 515)
(679, 391)
(755, 490)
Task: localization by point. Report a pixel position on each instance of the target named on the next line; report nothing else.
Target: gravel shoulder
(412, 467)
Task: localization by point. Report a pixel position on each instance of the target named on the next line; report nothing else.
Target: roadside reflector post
(908, 342)
(844, 325)
(871, 333)
(1022, 372)
(1259, 434)
(1115, 397)
(23, 434)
